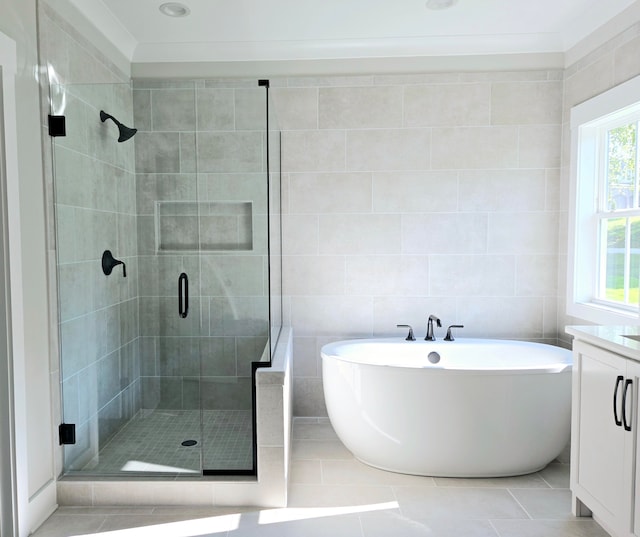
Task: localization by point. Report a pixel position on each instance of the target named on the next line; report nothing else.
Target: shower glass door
(162, 274)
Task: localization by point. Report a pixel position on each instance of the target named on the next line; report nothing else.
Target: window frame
(587, 121)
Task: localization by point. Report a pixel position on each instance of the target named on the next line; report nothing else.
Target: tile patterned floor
(152, 442)
(333, 494)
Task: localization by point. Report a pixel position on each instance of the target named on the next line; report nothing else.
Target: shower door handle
(183, 295)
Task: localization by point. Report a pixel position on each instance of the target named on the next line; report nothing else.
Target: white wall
(36, 483)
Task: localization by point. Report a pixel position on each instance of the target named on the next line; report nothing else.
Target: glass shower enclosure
(168, 272)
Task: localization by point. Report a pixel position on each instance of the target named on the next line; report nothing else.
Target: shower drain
(189, 443)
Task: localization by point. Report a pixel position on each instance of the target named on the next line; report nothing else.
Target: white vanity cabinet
(604, 451)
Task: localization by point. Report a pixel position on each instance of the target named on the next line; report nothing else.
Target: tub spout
(430, 335)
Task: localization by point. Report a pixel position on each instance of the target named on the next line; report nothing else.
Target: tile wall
(97, 316)
(201, 164)
(411, 195)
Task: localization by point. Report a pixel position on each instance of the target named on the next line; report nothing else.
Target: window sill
(601, 314)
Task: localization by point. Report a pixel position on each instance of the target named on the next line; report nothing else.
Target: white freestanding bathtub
(466, 408)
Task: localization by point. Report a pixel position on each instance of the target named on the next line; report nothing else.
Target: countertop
(610, 338)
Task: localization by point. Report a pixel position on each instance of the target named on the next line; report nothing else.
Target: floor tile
(313, 431)
(152, 442)
(332, 493)
(319, 449)
(173, 525)
(105, 510)
(458, 503)
(545, 503)
(334, 526)
(394, 524)
(522, 481)
(337, 496)
(67, 525)
(354, 472)
(306, 472)
(557, 475)
(548, 528)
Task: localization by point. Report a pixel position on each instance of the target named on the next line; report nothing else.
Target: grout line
(518, 502)
(493, 527)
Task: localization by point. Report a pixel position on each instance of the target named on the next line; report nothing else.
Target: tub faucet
(410, 337)
(430, 336)
(449, 336)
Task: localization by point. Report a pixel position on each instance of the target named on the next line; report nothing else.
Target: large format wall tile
(407, 195)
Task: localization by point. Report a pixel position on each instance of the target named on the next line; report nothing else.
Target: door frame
(10, 369)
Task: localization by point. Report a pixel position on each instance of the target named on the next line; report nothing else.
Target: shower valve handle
(109, 262)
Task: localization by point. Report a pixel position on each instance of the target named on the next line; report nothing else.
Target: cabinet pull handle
(618, 421)
(627, 426)
(183, 295)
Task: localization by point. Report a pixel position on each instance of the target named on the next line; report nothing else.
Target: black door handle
(183, 295)
(619, 380)
(627, 384)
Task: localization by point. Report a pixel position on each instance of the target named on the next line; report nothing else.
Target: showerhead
(125, 132)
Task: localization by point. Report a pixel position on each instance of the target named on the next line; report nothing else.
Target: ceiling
(255, 30)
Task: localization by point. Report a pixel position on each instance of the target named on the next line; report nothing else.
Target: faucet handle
(449, 336)
(410, 336)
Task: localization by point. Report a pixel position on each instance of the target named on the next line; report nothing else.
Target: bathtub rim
(559, 366)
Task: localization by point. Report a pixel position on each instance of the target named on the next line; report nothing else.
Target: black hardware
(263, 82)
(410, 336)
(619, 380)
(108, 262)
(183, 295)
(449, 336)
(627, 384)
(57, 125)
(67, 433)
(124, 132)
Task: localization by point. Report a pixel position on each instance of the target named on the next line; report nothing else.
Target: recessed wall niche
(183, 226)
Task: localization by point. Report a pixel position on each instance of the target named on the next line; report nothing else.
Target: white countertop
(610, 338)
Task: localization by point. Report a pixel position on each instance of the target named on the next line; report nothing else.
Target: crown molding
(349, 66)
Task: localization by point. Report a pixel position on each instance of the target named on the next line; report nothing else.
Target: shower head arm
(124, 132)
(104, 116)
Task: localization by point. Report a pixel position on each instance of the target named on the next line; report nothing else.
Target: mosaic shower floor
(152, 442)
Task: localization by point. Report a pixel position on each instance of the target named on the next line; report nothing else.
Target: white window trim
(583, 195)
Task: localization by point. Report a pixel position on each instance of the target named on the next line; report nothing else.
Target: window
(604, 233)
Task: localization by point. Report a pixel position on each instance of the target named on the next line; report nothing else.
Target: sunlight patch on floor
(185, 528)
(288, 514)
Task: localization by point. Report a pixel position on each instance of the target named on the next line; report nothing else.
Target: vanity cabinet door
(633, 406)
(599, 455)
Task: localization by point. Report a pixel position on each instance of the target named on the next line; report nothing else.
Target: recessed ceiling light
(174, 9)
(440, 4)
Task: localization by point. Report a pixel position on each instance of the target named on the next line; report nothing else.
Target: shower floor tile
(152, 442)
